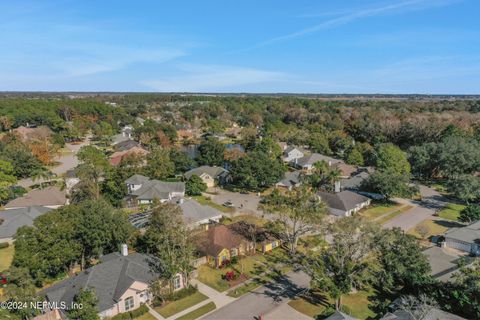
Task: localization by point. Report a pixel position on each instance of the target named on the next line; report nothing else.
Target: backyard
(6, 257)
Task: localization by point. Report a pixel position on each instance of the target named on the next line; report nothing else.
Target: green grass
(435, 227)
(377, 210)
(6, 257)
(146, 316)
(175, 307)
(208, 202)
(195, 314)
(394, 214)
(451, 211)
(356, 304)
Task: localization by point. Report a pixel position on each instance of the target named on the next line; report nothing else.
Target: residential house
(117, 157)
(50, 197)
(338, 315)
(307, 162)
(406, 310)
(465, 239)
(220, 244)
(265, 241)
(344, 203)
(209, 175)
(292, 154)
(71, 180)
(127, 132)
(126, 145)
(121, 282)
(11, 220)
(346, 170)
(142, 190)
(354, 182)
(290, 180)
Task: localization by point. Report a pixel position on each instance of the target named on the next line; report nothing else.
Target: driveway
(264, 300)
(422, 210)
(67, 161)
(243, 203)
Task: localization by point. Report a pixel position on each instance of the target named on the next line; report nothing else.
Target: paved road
(243, 203)
(422, 210)
(264, 300)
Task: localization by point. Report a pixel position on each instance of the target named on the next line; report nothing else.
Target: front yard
(379, 209)
(175, 307)
(316, 303)
(451, 211)
(206, 201)
(429, 228)
(197, 313)
(6, 257)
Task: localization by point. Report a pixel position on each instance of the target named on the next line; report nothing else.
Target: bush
(4, 245)
(230, 275)
(225, 263)
(234, 260)
(140, 311)
(180, 294)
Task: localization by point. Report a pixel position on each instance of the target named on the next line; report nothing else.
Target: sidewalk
(219, 298)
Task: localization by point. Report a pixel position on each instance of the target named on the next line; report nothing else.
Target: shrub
(140, 311)
(4, 245)
(177, 295)
(234, 259)
(230, 275)
(225, 263)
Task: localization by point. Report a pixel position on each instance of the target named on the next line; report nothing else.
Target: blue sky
(328, 46)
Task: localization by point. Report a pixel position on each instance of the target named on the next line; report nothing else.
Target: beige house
(210, 175)
(121, 282)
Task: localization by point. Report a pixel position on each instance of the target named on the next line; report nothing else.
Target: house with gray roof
(344, 203)
(209, 175)
(307, 162)
(142, 190)
(291, 179)
(354, 182)
(292, 154)
(51, 197)
(12, 220)
(465, 239)
(121, 282)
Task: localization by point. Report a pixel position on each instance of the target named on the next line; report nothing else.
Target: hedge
(140, 311)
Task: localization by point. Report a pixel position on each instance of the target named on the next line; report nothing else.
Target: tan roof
(39, 133)
(346, 169)
(217, 238)
(47, 197)
(116, 157)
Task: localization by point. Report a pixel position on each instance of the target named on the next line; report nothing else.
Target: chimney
(124, 250)
(337, 186)
(181, 201)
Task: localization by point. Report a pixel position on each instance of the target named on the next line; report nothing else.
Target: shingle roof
(316, 157)
(50, 196)
(126, 145)
(110, 279)
(468, 234)
(137, 179)
(15, 218)
(212, 171)
(344, 200)
(194, 212)
(355, 181)
(217, 238)
(155, 189)
(340, 316)
(290, 179)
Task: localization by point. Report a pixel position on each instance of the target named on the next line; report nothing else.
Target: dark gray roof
(355, 181)
(290, 179)
(316, 157)
(156, 189)
(432, 314)
(110, 279)
(194, 212)
(212, 171)
(344, 200)
(16, 218)
(289, 149)
(137, 179)
(470, 233)
(126, 145)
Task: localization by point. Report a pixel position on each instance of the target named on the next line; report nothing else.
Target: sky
(261, 46)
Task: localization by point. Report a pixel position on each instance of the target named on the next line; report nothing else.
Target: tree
(392, 158)
(424, 160)
(405, 268)
(210, 152)
(467, 290)
(349, 262)
(91, 170)
(465, 187)
(42, 174)
(298, 211)
(88, 302)
(355, 157)
(458, 156)
(256, 171)
(470, 213)
(195, 186)
(387, 183)
(159, 165)
(423, 231)
(167, 239)
(6, 180)
(20, 288)
(182, 162)
(269, 147)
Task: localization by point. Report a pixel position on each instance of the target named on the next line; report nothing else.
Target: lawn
(146, 316)
(6, 257)
(434, 227)
(176, 306)
(356, 304)
(451, 211)
(208, 202)
(377, 210)
(195, 314)
(392, 215)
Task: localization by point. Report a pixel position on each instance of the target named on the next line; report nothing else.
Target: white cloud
(213, 77)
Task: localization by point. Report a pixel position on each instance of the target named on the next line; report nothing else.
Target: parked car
(228, 204)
